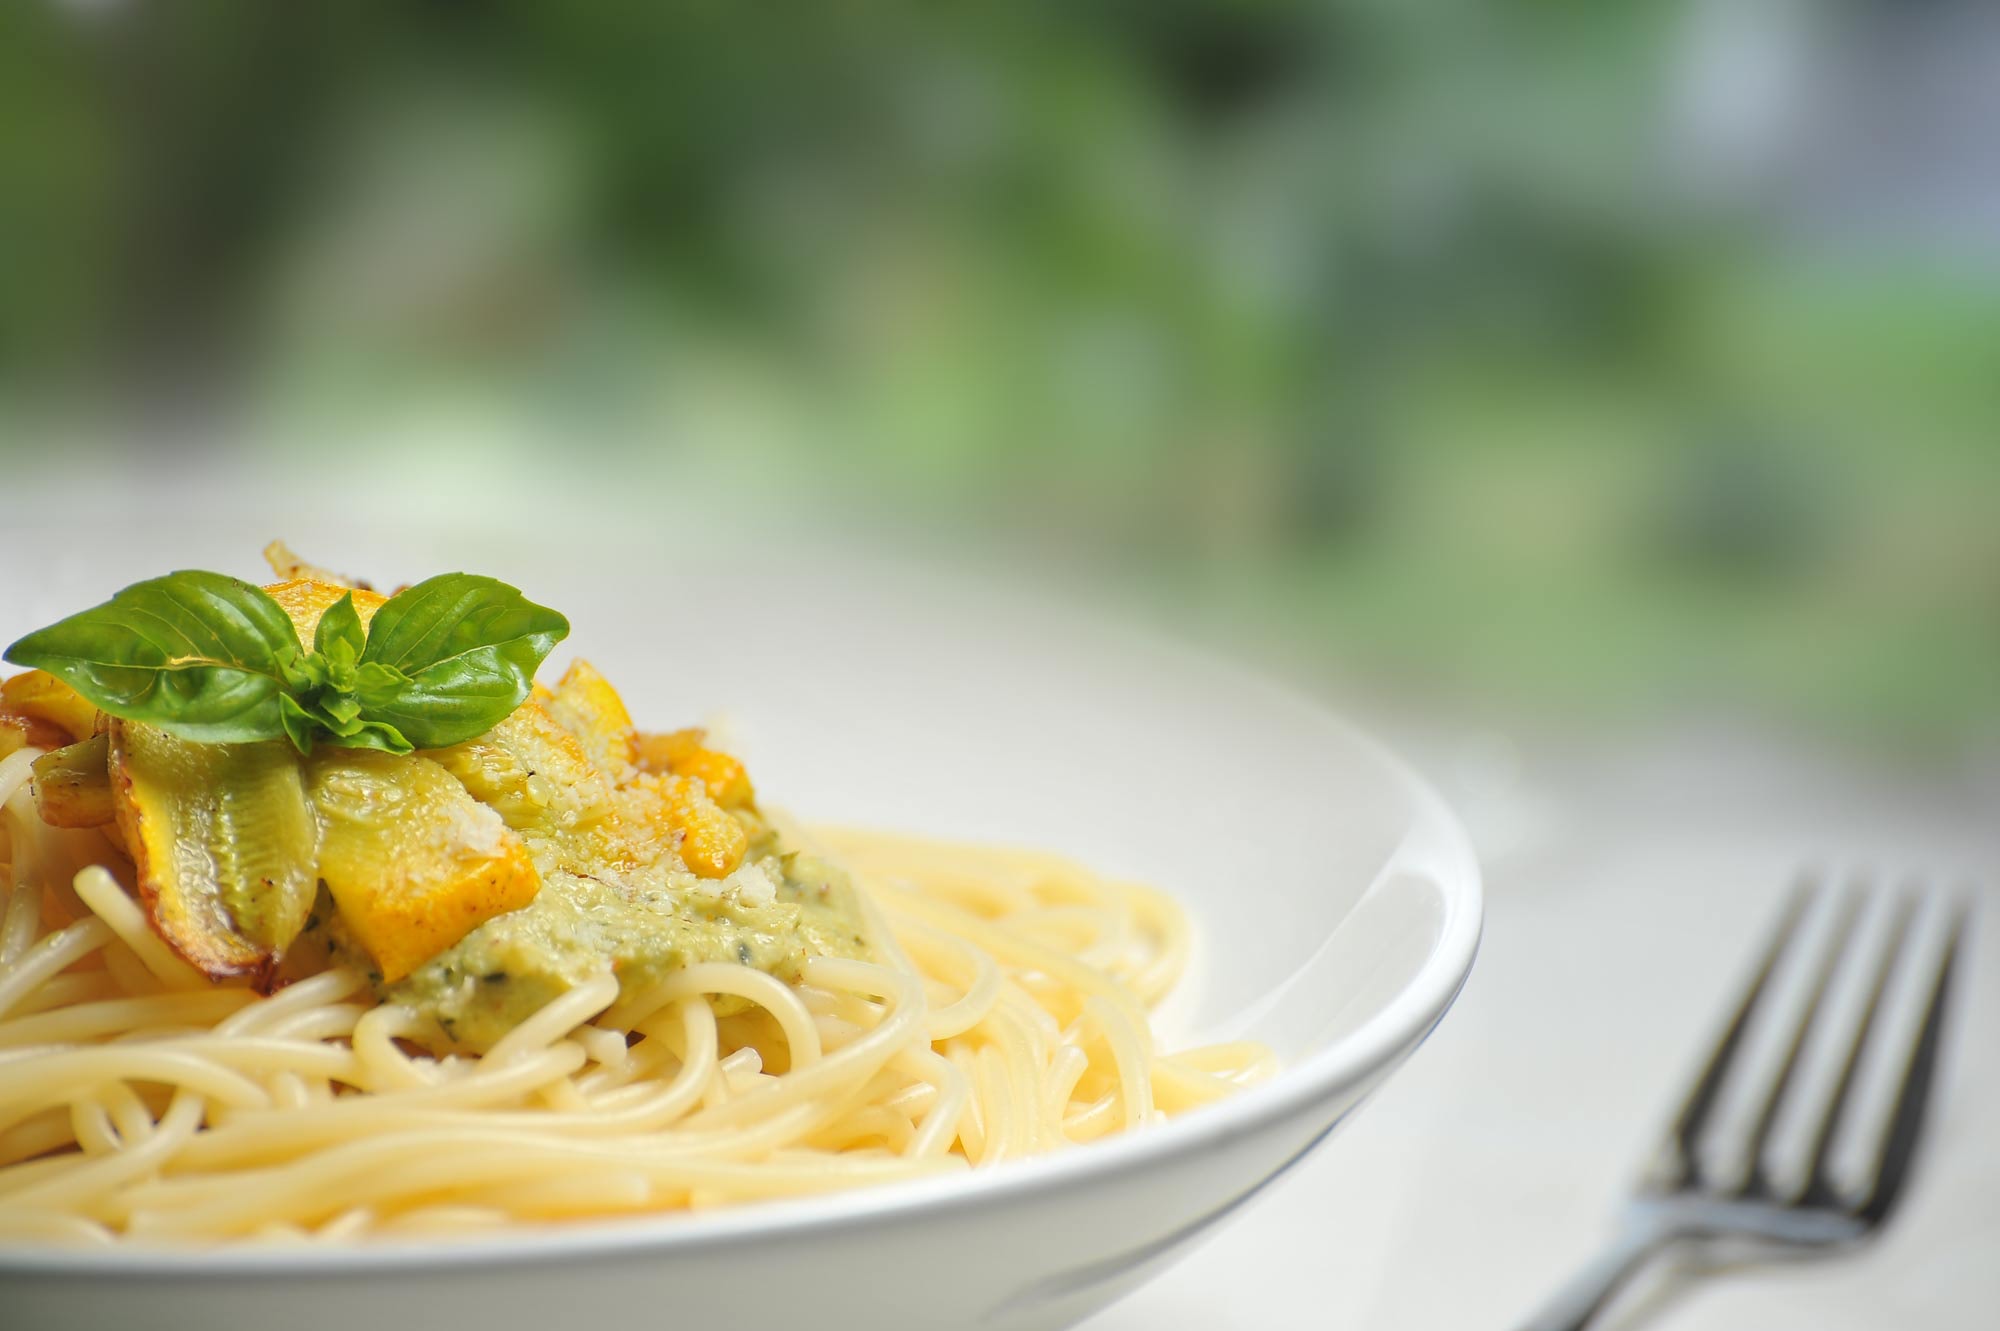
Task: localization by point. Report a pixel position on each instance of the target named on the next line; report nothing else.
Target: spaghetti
(1000, 1010)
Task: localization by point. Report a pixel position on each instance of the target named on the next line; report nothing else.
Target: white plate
(1337, 900)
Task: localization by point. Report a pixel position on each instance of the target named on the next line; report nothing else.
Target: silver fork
(1685, 1200)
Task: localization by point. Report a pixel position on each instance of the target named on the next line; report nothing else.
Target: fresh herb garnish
(451, 656)
(214, 659)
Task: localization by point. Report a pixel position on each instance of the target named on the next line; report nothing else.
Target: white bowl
(1338, 904)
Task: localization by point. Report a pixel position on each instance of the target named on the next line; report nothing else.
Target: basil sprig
(214, 659)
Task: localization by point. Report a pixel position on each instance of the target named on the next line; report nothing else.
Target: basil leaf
(333, 723)
(373, 735)
(378, 679)
(215, 660)
(339, 636)
(300, 727)
(468, 647)
(305, 672)
(202, 656)
(339, 708)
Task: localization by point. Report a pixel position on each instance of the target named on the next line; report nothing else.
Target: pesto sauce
(642, 925)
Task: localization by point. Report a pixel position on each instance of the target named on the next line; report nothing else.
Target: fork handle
(1576, 1305)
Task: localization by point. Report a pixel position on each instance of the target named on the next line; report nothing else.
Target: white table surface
(1628, 886)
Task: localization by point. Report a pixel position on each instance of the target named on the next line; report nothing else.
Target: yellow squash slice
(413, 862)
(588, 707)
(686, 753)
(18, 733)
(710, 841)
(533, 771)
(306, 599)
(223, 841)
(73, 785)
(48, 712)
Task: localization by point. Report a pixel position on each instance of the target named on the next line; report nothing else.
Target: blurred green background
(1610, 356)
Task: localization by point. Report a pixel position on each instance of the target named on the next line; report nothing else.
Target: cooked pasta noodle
(1003, 1010)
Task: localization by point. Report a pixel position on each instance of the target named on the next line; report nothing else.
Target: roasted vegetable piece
(53, 714)
(73, 785)
(727, 782)
(711, 842)
(223, 840)
(533, 771)
(588, 707)
(659, 752)
(15, 735)
(686, 753)
(306, 599)
(412, 861)
(286, 566)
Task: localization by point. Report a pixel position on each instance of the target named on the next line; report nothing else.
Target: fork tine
(1818, 1188)
(1899, 1142)
(1757, 1180)
(1693, 1115)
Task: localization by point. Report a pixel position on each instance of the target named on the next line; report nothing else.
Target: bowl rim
(1320, 1076)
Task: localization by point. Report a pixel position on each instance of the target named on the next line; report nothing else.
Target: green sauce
(775, 913)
